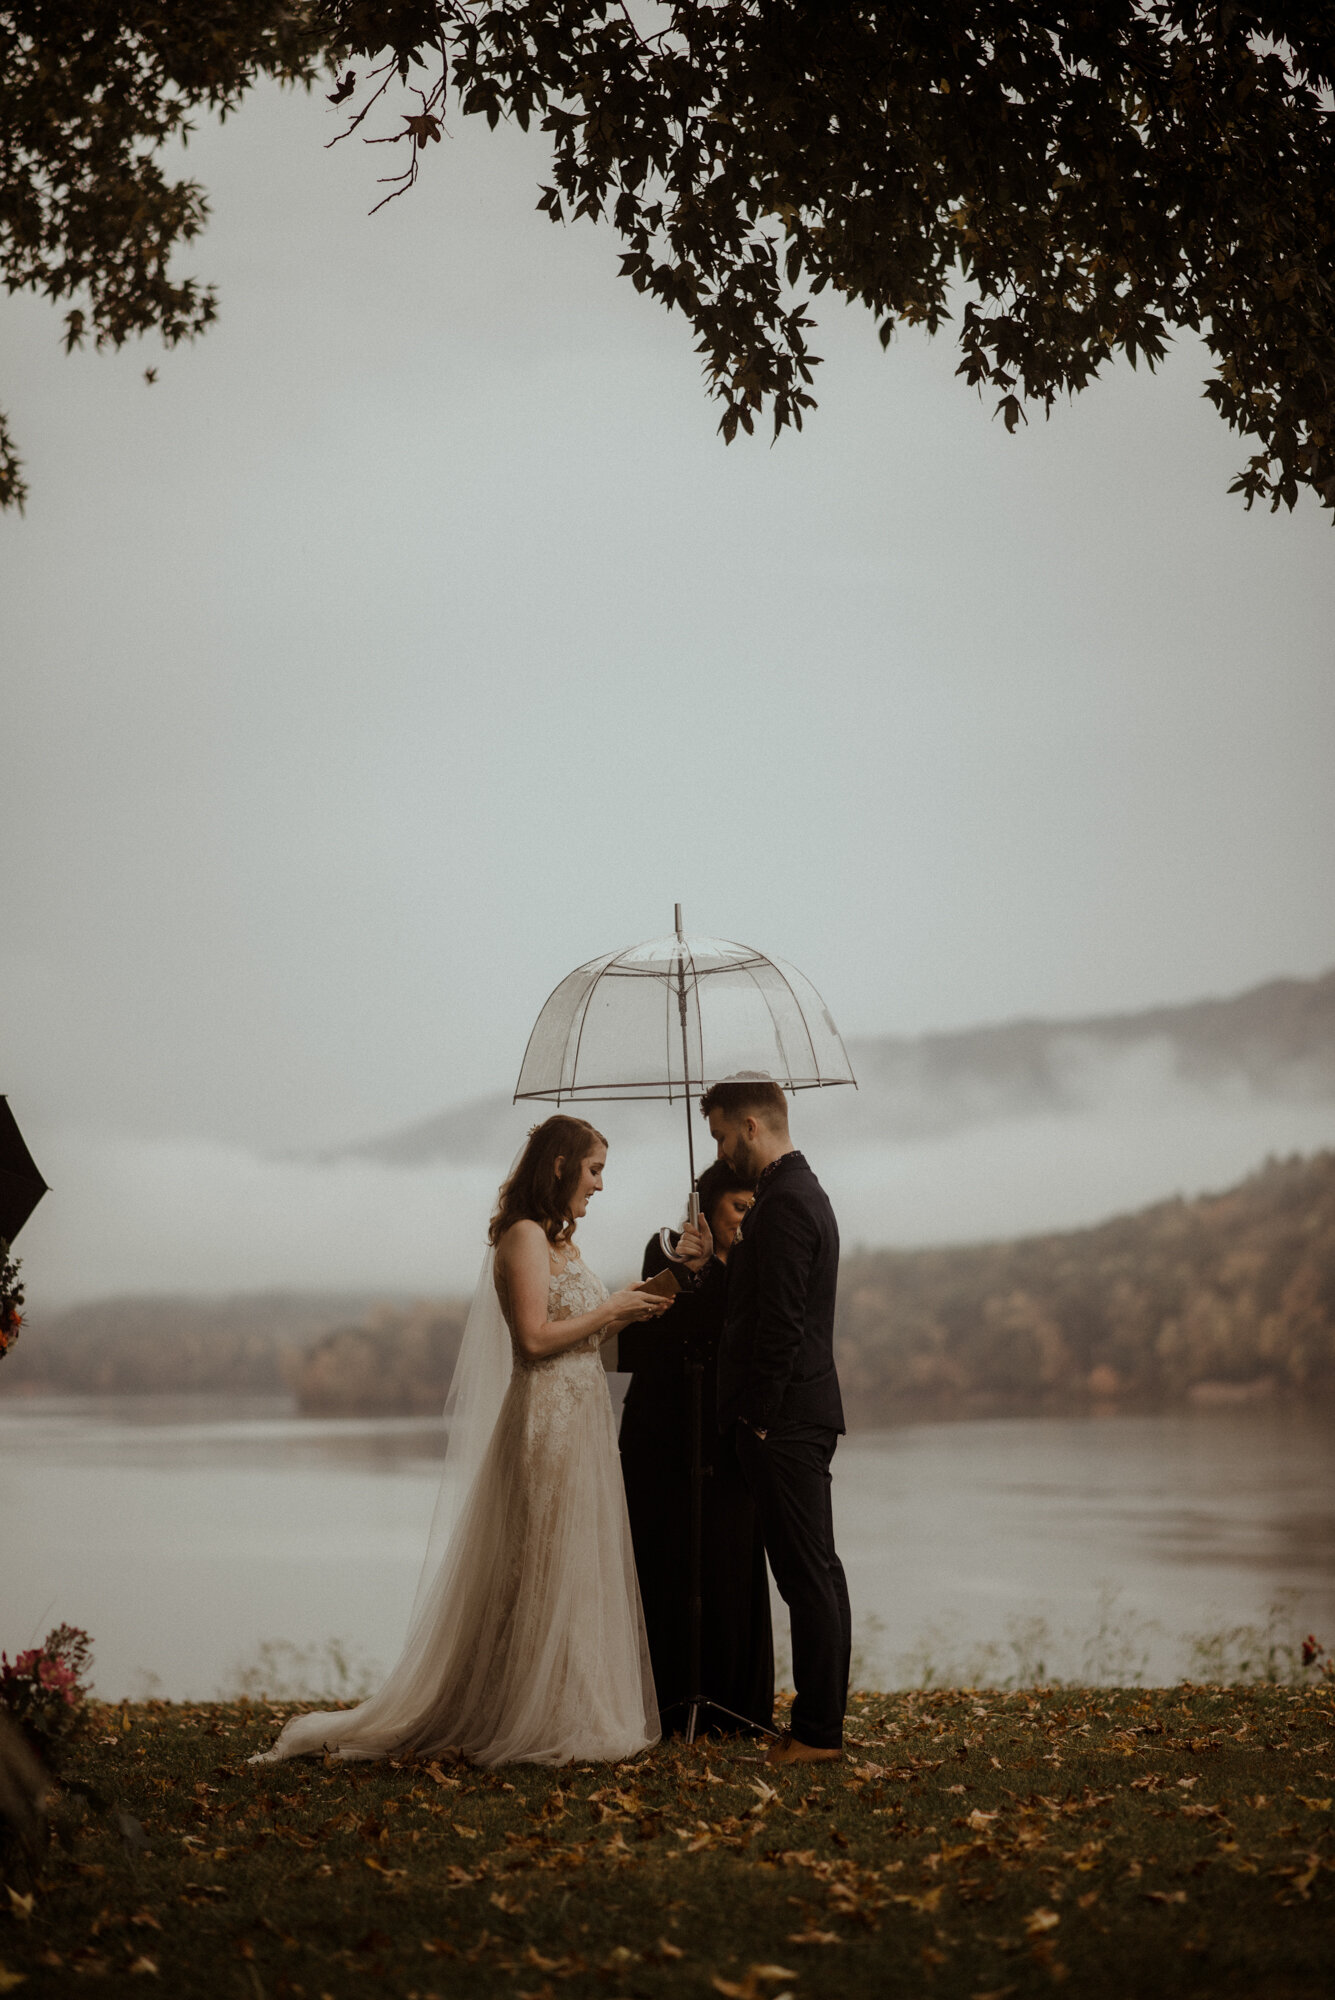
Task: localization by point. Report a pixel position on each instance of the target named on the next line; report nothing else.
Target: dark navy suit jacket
(776, 1353)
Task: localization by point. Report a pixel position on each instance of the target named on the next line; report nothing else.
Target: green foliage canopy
(1069, 181)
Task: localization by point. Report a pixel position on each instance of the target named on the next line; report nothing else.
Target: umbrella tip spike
(676, 918)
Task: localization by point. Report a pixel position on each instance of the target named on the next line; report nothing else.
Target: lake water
(184, 1534)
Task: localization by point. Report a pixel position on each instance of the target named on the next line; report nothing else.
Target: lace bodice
(572, 1290)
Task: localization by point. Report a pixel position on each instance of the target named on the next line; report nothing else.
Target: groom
(777, 1389)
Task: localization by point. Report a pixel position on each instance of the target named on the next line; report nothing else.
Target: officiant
(737, 1642)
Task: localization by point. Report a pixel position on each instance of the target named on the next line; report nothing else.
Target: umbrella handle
(693, 1208)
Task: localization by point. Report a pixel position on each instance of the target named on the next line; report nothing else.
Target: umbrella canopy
(668, 1018)
(21, 1186)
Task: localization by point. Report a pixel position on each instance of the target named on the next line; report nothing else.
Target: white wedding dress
(527, 1643)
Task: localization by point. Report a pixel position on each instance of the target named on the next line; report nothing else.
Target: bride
(526, 1643)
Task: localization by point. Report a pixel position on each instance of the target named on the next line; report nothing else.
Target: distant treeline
(243, 1345)
(398, 1363)
(1229, 1296)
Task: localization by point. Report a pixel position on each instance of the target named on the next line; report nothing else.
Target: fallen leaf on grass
(147, 1965)
(1186, 1784)
(752, 1987)
(9, 1980)
(666, 1949)
(980, 1820)
(812, 1937)
(1313, 1805)
(1040, 1920)
(926, 1904)
(20, 1907)
(373, 1861)
(993, 1993)
(1301, 1878)
(1164, 1895)
(465, 1832)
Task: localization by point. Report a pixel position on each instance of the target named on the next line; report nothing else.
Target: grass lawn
(972, 1845)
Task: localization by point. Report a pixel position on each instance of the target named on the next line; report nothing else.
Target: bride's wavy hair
(535, 1192)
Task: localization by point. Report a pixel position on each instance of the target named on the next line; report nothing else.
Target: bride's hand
(634, 1303)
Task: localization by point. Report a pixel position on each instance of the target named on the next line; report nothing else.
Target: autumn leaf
(20, 1907)
(751, 1988)
(422, 128)
(812, 1937)
(1041, 1920)
(465, 1832)
(145, 1965)
(9, 1980)
(926, 1904)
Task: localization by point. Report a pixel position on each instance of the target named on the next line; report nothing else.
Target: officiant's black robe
(737, 1642)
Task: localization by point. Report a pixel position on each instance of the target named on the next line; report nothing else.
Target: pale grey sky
(415, 638)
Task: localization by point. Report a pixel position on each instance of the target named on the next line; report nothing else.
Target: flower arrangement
(44, 1689)
(11, 1299)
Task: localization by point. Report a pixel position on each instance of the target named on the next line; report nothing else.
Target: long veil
(477, 1390)
(473, 1404)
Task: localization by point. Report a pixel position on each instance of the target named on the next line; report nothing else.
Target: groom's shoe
(791, 1750)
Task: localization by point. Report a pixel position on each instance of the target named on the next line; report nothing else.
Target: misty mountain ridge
(1273, 1042)
(1227, 1298)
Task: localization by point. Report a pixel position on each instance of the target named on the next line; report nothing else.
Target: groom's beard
(743, 1163)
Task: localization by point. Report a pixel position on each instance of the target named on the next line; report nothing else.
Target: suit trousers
(788, 1472)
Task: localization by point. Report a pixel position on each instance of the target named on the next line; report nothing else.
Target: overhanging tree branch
(1078, 181)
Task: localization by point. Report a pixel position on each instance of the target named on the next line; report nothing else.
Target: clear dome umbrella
(669, 1018)
(666, 1019)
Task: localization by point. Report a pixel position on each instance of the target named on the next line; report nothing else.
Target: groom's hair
(747, 1097)
(535, 1192)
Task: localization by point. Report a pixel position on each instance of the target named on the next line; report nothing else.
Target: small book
(665, 1283)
